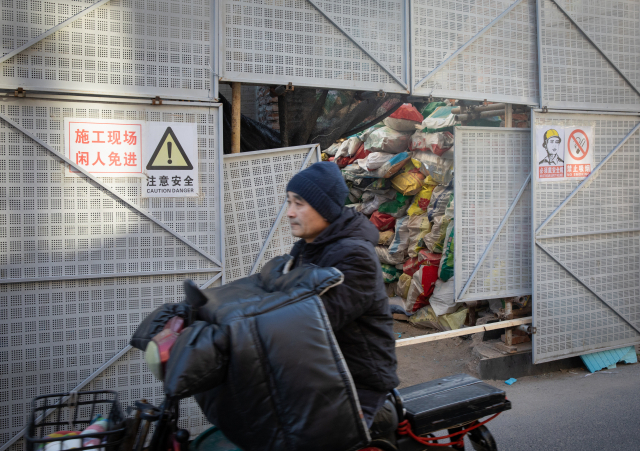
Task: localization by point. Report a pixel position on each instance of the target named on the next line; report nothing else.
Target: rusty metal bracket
(289, 87)
(156, 101)
(20, 92)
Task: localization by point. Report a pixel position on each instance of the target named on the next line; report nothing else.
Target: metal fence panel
(81, 268)
(359, 44)
(254, 199)
(123, 47)
(492, 256)
(580, 72)
(587, 256)
(473, 50)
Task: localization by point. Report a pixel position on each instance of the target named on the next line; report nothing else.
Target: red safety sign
(578, 144)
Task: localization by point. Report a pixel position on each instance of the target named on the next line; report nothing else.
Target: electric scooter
(455, 404)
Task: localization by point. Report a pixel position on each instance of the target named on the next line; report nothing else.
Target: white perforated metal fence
(121, 47)
(361, 44)
(478, 50)
(82, 260)
(589, 54)
(254, 205)
(492, 256)
(586, 245)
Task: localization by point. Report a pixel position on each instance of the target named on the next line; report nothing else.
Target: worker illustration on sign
(551, 144)
(550, 153)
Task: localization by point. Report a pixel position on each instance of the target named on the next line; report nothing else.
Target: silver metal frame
(360, 46)
(114, 193)
(50, 31)
(586, 181)
(597, 47)
(214, 76)
(467, 44)
(493, 238)
(539, 41)
(570, 105)
(220, 219)
(314, 149)
(276, 223)
(535, 237)
(584, 284)
(457, 211)
(250, 78)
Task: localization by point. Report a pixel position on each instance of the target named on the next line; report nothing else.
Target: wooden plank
(463, 331)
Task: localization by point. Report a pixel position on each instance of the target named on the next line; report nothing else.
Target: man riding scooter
(339, 237)
(300, 355)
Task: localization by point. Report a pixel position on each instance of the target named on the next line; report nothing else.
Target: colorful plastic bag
(391, 167)
(404, 282)
(383, 221)
(426, 317)
(445, 272)
(442, 300)
(396, 207)
(430, 108)
(438, 143)
(401, 238)
(430, 239)
(353, 145)
(425, 277)
(421, 200)
(409, 180)
(440, 169)
(439, 200)
(441, 120)
(419, 227)
(360, 154)
(438, 247)
(411, 266)
(404, 118)
(388, 140)
(376, 160)
(386, 237)
(387, 257)
(371, 205)
(390, 273)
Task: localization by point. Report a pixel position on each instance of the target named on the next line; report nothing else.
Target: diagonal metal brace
(584, 284)
(593, 43)
(112, 192)
(494, 237)
(50, 31)
(352, 39)
(267, 240)
(468, 43)
(588, 180)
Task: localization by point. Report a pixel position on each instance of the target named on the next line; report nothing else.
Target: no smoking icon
(578, 144)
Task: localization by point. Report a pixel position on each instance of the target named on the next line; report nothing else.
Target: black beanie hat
(323, 187)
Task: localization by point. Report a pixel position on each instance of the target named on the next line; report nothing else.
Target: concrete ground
(563, 410)
(433, 360)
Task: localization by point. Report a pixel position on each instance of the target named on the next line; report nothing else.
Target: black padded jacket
(358, 308)
(263, 362)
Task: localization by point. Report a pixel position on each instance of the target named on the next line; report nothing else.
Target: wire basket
(74, 412)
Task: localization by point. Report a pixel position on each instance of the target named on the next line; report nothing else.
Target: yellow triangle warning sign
(169, 154)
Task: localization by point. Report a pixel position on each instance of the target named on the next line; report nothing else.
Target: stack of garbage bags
(400, 175)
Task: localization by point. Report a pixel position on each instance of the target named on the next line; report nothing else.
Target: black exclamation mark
(169, 150)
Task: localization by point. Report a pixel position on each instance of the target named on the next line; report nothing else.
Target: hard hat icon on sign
(169, 154)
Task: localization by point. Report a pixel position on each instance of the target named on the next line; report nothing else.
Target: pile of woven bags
(400, 175)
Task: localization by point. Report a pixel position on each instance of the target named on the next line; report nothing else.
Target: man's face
(553, 145)
(305, 221)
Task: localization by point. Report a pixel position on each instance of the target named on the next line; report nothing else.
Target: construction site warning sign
(104, 147)
(171, 160)
(579, 156)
